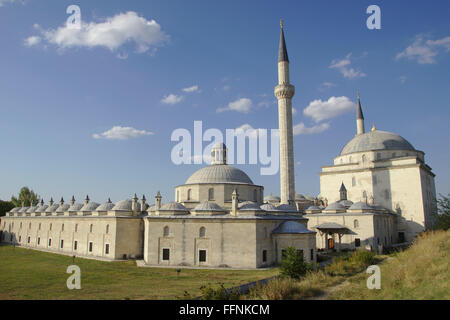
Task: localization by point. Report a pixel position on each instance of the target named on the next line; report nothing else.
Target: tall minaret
(284, 92)
(359, 118)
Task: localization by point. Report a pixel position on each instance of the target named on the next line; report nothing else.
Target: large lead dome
(220, 173)
(376, 140)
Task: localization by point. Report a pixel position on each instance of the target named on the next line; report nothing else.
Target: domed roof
(268, 207)
(249, 205)
(335, 206)
(209, 206)
(272, 198)
(286, 208)
(125, 205)
(90, 206)
(346, 203)
(105, 206)
(290, 227)
(313, 208)
(52, 208)
(41, 208)
(220, 173)
(309, 198)
(299, 197)
(63, 208)
(173, 206)
(24, 209)
(360, 206)
(75, 207)
(32, 209)
(376, 140)
(16, 209)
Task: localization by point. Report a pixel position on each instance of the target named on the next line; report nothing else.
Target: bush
(220, 293)
(292, 264)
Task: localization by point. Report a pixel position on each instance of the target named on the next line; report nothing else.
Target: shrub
(220, 293)
(292, 264)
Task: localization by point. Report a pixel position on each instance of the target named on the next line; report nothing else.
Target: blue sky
(58, 93)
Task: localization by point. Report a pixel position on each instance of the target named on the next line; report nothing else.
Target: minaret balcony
(284, 91)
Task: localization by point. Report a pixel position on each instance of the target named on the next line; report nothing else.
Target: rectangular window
(166, 254)
(49, 242)
(312, 254)
(264, 256)
(62, 244)
(300, 252)
(75, 245)
(357, 242)
(401, 237)
(283, 254)
(20, 238)
(202, 256)
(29, 239)
(39, 241)
(107, 248)
(90, 246)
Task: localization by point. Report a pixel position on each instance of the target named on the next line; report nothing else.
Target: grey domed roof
(63, 208)
(32, 209)
(249, 205)
(173, 206)
(290, 227)
(125, 205)
(272, 198)
(286, 208)
(91, 206)
(376, 140)
(16, 209)
(105, 206)
(309, 198)
(75, 207)
(268, 207)
(335, 206)
(209, 206)
(346, 203)
(41, 209)
(360, 206)
(313, 208)
(220, 173)
(52, 208)
(24, 209)
(299, 197)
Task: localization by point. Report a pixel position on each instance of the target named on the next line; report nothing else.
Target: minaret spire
(284, 92)
(359, 117)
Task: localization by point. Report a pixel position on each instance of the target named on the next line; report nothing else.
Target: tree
(292, 264)
(5, 206)
(26, 198)
(443, 218)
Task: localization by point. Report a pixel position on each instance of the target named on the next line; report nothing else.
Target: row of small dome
(343, 205)
(299, 197)
(209, 206)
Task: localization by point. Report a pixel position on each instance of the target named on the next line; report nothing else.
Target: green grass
(29, 274)
(420, 272)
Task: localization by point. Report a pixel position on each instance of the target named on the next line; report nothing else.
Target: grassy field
(420, 272)
(29, 274)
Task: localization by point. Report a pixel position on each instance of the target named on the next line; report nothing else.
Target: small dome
(286, 208)
(75, 207)
(52, 208)
(24, 209)
(151, 208)
(313, 208)
(249, 205)
(346, 203)
(125, 205)
(376, 140)
(63, 208)
(299, 197)
(220, 173)
(16, 209)
(32, 209)
(91, 206)
(271, 198)
(41, 209)
(268, 207)
(360, 206)
(105, 206)
(173, 206)
(209, 206)
(309, 198)
(335, 206)
(291, 227)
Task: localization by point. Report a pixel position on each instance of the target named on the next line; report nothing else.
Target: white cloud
(245, 127)
(172, 99)
(32, 41)
(301, 128)
(321, 110)
(424, 51)
(121, 133)
(343, 66)
(112, 33)
(191, 89)
(326, 85)
(242, 105)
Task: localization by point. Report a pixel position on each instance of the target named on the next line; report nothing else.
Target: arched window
(255, 195)
(107, 228)
(202, 232)
(363, 158)
(211, 194)
(353, 181)
(189, 194)
(166, 231)
(356, 223)
(91, 228)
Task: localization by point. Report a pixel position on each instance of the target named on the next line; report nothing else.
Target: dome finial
(373, 127)
(281, 23)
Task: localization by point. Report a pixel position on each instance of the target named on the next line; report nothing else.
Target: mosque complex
(378, 193)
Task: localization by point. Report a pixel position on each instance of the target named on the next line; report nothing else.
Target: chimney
(158, 201)
(72, 202)
(134, 204)
(234, 202)
(143, 203)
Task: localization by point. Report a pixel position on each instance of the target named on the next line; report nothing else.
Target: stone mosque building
(378, 192)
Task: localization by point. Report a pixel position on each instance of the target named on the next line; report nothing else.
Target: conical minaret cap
(282, 51)
(359, 113)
